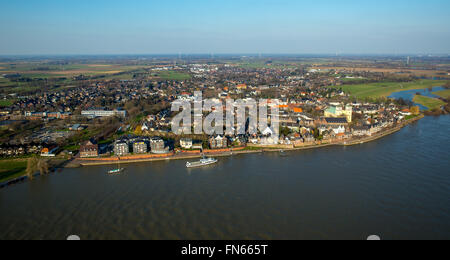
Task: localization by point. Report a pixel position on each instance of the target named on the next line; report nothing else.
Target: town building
(140, 147)
(242, 86)
(197, 145)
(121, 148)
(338, 129)
(186, 143)
(218, 142)
(89, 150)
(49, 151)
(144, 127)
(158, 146)
(333, 121)
(361, 131)
(338, 111)
(103, 113)
(76, 127)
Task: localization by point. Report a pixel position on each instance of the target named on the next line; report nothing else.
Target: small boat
(116, 171)
(203, 162)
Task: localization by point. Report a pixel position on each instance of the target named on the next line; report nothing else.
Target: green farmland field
(6, 103)
(12, 169)
(431, 103)
(443, 93)
(385, 89)
(172, 75)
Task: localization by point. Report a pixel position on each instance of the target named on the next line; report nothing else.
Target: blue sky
(224, 26)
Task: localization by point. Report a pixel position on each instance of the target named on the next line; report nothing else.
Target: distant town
(100, 110)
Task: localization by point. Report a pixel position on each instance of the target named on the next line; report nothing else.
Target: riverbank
(11, 169)
(384, 133)
(80, 162)
(429, 102)
(76, 163)
(193, 156)
(20, 167)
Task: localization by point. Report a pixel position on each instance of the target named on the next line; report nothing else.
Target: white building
(338, 129)
(186, 143)
(103, 113)
(121, 148)
(144, 127)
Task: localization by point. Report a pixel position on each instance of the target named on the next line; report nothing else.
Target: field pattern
(431, 103)
(385, 89)
(399, 71)
(443, 93)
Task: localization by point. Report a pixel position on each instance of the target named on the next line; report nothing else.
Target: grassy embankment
(431, 103)
(385, 89)
(6, 103)
(444, 93)
(10, 169)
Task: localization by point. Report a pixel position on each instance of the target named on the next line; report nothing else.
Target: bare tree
(36, 164)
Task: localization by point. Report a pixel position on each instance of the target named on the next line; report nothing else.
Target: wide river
(397, 188)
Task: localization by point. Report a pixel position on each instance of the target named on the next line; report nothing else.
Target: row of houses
(330, 129)
(47, 115)
(188, 143)
(214, 142)
(101, 112)
(20, 150)
(154, 145)
(123, 147)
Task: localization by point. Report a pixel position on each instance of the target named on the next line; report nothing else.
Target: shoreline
(186, 157)
(80, 163)
(59, 163)
(386, 133)
(77, 163)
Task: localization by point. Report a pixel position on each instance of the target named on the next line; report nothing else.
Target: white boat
(203, 162)
(116, 171)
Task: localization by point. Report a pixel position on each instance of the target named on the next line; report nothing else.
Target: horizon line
(228, 54)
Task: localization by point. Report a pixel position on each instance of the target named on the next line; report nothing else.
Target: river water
(397, 188)
(410, 94)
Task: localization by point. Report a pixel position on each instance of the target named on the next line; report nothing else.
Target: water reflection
(396, 187)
